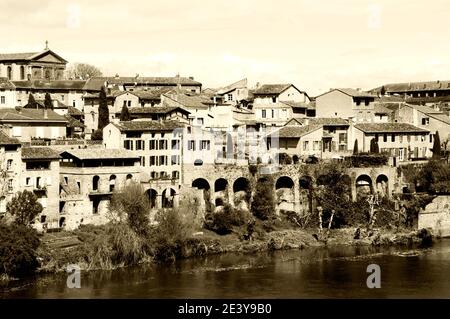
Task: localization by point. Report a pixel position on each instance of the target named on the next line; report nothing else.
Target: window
(425, 121)
(2, 100)
(191, 145)
(230, 97)
(316, 146)
(9, 164)
(385, 138)
(342, 138)
(305, 145)
(28, 181)
(10, 185)
(175, 174)
(200, 121)
(129, 103)
(274, 99)
(175, 159)
(366, 102)
(273, 113)
(152, 160)
(162, 160)
(142, 160)
(9, 72)
(128, 144)
(205, 145)
(431, 138)
(409, 138)
(112, 182)
(95, 181)
(401, 138)
(393, 138)
(175, 144)
(62, 98)
(163, 144)
(22, 72)
(140, 145)
(152, 145)
(263, 114)
(73, 103)
(358, 102)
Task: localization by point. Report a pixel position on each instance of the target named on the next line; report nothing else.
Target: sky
(314, 44)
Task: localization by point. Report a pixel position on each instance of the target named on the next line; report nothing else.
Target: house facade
(7, 93)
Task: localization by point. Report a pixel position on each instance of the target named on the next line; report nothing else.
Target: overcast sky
(315, 44)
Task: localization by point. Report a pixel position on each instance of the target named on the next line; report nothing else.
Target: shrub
(18, 245)
(24, 207)
(367, 160)
(263, 205)
(97, 135)
(223, 221)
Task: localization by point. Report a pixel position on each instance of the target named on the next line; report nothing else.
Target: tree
(355, 148)
(82, 71)
(31, 102)
(383, 90)
(18, 245)
(437, 146)
(48, 101)
(263, 205)
(25, 207)
(103, 111)
(125, 114)
(374, 149)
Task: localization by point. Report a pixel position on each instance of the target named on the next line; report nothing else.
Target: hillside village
(180, 138)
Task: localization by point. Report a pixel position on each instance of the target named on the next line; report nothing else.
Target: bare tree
(82, 71)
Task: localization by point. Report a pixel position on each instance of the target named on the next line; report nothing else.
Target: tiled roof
(74, 111)
(73, 122)
(381, 109)
(26, 115)
(271, 89)
(156, 110)
(6, 140)
(148, 125)
(327, 121)
(17, 56)
(51, 85)
(191, 101)
(30, 153)
(96, 83)
(236, 85)
(295, 131)
(424, 109)
(389, 128)
(99, 153)
(6, 84)
(390, 98)
(41, 103)
(415, 86)
(299, 105)
(440, 117)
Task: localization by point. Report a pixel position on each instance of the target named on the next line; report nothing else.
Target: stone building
(40, 175)
(32, 66)
(7, 93)
(88, 177)
(346, 103)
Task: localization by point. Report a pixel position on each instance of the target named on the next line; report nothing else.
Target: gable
(49, 56)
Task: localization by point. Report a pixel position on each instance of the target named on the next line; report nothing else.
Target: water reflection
(338, 272)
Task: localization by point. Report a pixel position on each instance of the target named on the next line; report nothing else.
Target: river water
(338, 272)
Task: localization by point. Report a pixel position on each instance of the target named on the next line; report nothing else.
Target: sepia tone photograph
(224, 149)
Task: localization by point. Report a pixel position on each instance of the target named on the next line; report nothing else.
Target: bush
(367, 160)
(223, 221)
(97, 135)
(263, 205)
(18, 245)
(24, 207)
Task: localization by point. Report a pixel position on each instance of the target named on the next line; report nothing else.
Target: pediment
(48, 56)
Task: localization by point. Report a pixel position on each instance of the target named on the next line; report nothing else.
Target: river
(338, 272)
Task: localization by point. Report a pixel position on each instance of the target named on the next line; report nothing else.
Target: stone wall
(436, 216)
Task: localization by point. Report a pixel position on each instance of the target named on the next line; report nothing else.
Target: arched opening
(363, 186)
(284, 187)
(62, 222)
(382, 185)
(9, 72)
(242, 191)
(112, 183)
(129, 179)
(295, 159)
(221, 191)
(198, 162)
(202, 184)
(152, 195)
(168, 196)
(22, 72)
(95, 183)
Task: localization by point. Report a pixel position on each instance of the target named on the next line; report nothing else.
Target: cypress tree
(125, 114)
(103, 111)
(355, 147)
(437, 146)
(31, 102)
(48, 101)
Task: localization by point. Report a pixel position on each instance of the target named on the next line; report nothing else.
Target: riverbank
(54, 257)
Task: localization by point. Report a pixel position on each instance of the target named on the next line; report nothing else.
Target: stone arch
(203, 184)
(168, 196)
(112, 182)
(284, 189)
(242, 191)
(364, 185)
(221, 191)
(382, 183)
(152, 197)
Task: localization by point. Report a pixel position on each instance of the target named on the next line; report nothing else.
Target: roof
(191, 101)
(31, 153)
(295, 131)
(389, 128)
(95, 83)
(156, 110)
(441, 117)
(27, 115)
(424, 109)
(99, 153)
(40, 102)
(381, 109)
(351, 92)
(28, 56)
(74, 111)
(51, 85)
(125, 126)
(73, 122)
(271, 89)
(293, 104)
(236, 85)
(6, 84)
(414, 86)
(6, 140)
(337, 121)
